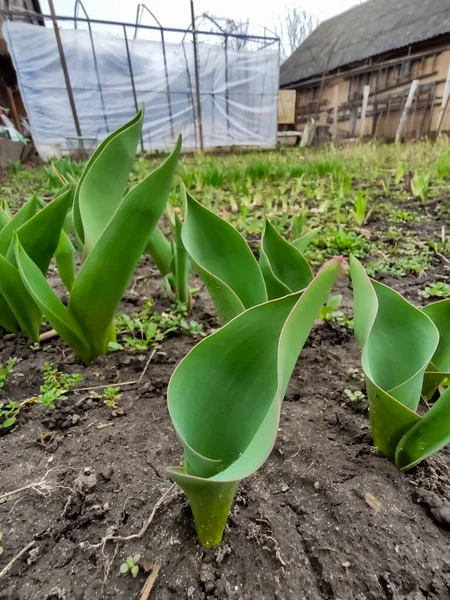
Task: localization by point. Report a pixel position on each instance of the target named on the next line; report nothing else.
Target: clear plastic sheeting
(238, 89)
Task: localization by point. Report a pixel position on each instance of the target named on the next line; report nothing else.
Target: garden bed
(326, 517)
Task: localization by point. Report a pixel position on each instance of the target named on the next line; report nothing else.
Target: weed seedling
(111, 396)
(5, 371)
(354, 395)
(131, 565)
(8, 414)
(1, 537)
(439, 289)
(56, 385)
(332, 304)
(149, 327)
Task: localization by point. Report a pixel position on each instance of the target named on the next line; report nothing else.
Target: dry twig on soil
(118, 383)
(133, 536)
(42, 487)
(150, 582)
(11, 562)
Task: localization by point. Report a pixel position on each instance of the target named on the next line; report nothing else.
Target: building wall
(389, 81)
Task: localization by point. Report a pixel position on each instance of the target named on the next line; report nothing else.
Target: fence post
(408, 104)
(133, 88)
(197, 78)
(62, 58)
(445, 99)
(335, 112)
(366, 93)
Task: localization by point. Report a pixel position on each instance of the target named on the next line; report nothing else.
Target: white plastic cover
(239, 103)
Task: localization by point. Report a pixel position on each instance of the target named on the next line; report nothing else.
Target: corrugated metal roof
(372, 28)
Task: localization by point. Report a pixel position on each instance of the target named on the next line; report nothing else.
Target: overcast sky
(176, 13)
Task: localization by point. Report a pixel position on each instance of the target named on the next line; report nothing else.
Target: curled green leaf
(399, 342)
(225, 398)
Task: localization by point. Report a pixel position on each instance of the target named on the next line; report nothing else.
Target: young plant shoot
(112, 233)
(228, 268)
(172, 261)
(39, 232)
(225, 398)
(400, 345)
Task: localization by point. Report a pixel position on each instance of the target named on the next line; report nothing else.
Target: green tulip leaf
(65, 260)
(398, 342)
(114, 232)
(50, 305)
(27, 211)
(225, 398)
(160, 250)
(283, 266)
(181, 266)
(106, 272)
(439, 367)
(304, 241)
(39, 237)
(223, 260)
(105, 178)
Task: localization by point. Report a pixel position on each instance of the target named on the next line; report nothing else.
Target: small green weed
(439, 289)
(344, 242)
(332, 304)
(131, 565)
(151, 328)
(5, 371)
(111, 396)
(8, 413)
(360, 207)
(56, 385)
(443, 166)
(420, 186)
(354, 395)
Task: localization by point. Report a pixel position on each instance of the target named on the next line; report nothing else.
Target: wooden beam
(12, 103)
(444, 104)
(406, 110)
(366, 93)
(346, 74)
(335, 111)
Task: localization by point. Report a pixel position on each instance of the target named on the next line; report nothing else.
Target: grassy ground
(339, 190)
(304, 526)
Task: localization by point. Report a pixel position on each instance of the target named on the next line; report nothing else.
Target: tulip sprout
(228, 268)
(39, 232)
(225, 398)
(402, 350)
(172, 261)
(112, 233)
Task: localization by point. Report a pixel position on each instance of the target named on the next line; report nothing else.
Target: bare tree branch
(294, 27)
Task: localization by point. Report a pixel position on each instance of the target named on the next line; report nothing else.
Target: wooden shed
(10, 96)
(359, 72)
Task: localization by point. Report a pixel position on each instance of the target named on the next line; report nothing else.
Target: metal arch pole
(227, 91)
(140, 11)
(24, 13)
(190, 94)
(62, 58)
(94, 54)
(130, 68)
(166, 70)
(197, 78)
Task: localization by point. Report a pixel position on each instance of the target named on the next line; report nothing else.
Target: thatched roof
(375, 27)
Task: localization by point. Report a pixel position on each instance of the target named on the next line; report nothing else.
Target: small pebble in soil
(119, 412)
(33, 555)
(86, 481)
(438, 507)
(107, 472)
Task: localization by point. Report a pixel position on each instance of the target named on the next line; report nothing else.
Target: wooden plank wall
(389, 84)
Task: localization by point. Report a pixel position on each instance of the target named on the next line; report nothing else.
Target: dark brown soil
(325, 518)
